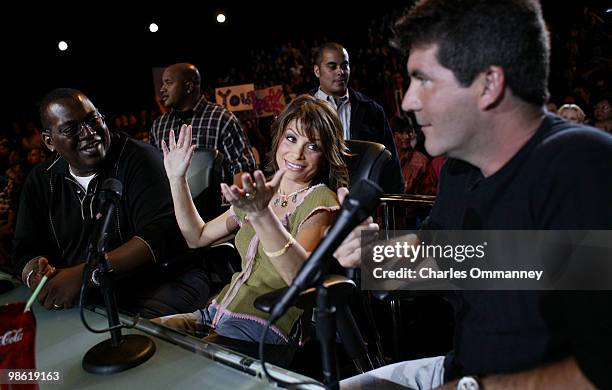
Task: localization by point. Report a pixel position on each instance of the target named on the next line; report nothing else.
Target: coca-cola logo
(11, 337)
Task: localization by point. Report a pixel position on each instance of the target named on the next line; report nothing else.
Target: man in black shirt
(58, 208)
(479, 71)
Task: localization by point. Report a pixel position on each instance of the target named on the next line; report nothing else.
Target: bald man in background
(214, 127)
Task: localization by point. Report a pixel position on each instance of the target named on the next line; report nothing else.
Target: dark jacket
(369, 123)
(56, 214)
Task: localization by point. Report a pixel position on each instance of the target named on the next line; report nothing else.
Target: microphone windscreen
(112, 186)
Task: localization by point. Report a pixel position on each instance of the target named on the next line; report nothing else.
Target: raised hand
(255, 194)
(177, 155)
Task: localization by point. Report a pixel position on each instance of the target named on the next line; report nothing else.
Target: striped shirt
(214, 127)
(342, 106)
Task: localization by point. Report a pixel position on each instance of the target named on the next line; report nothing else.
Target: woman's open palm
(177, 155)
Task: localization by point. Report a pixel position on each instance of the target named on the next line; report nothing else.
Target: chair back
(368, 161)
(204, 178)
(204, 170)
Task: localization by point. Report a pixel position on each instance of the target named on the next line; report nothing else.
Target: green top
(258, 276)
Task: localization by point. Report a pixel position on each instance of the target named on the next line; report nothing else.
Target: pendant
(284, 203)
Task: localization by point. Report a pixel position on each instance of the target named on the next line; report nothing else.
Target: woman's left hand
(255, 194)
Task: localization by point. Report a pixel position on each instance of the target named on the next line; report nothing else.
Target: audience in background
(572, 113)
(603, 115)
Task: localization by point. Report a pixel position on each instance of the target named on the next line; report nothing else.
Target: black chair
(220, 259)
(367, 161)
(397, 212)
(204, 178)
(404, 212)
(400, 212)
(340, 290)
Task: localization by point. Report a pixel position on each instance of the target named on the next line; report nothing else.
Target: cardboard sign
(236, 97)
(268, 101)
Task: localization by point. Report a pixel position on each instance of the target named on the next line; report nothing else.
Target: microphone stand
(326, 332)
(118, 353)
(354, 210)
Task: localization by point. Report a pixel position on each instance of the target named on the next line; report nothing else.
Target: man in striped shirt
(214, 127)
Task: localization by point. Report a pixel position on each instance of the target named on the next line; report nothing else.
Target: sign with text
(268, 101)
(236, 97)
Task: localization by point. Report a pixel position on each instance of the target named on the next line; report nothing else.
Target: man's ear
(493, 87)
(46, 136)
(189, 86)
(317, 71)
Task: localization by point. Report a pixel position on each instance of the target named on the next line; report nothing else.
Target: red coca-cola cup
(17, 343)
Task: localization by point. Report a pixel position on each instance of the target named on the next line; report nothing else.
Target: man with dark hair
(603, 114)
(415, 165)
(214, 127)
(361, 117)
(59, 203)
(478, 72)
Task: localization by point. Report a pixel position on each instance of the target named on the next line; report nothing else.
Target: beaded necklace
(285, 198)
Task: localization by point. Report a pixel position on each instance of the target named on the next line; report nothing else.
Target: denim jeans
(198, 323)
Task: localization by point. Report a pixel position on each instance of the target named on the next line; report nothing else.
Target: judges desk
(180, 361)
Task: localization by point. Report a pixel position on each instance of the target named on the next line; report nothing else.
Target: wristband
(27, 281)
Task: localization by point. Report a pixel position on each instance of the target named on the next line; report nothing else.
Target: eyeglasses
(93, 123)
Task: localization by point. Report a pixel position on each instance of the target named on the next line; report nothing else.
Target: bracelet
(282, 250)
(94, 277)
(27, 281)
(27, 278)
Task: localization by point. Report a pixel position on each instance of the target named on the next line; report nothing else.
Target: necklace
(285, 198)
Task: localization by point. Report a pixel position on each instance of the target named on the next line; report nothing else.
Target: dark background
(111, 51)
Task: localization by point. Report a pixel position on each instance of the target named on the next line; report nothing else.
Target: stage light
(62, 45)
(153, 27)
(220, 18)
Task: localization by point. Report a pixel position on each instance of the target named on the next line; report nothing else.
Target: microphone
(110, 194)
(361, 203)
(120, 352)
(111, 189)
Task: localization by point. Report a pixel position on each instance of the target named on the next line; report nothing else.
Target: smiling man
(58, 208)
